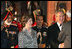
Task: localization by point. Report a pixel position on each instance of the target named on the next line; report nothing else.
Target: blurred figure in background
(35, 11)
(4, 34)
(9, 34)
(41, 32)
(68, 13)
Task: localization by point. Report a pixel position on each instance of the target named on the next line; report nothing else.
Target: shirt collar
(58, 24)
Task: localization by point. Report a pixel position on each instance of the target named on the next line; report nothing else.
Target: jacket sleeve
(61, 36)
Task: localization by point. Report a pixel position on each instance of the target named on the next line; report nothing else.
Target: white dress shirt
(60, 27)
(61, 45)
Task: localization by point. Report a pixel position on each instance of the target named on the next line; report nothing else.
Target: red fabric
(18, 24)
(11, 14)
(34, 24)
(16, 46)
(53, 23)
(6, 15)
(14, 22)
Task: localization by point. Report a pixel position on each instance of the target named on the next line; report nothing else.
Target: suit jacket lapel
(57, 28)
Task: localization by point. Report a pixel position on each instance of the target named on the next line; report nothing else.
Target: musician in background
(35, 10)
(41, 32)
(9, 34)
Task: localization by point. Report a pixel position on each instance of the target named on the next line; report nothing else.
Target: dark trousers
(54, 44)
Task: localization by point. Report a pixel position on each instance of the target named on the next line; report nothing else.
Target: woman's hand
(12, 46)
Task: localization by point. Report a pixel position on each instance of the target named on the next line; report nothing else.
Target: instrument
(37, 11)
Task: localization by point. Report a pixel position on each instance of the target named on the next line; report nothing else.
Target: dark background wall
(43, 5)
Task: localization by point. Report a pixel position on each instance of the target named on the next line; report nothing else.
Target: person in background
(27, 37)
(41, 32)
(4, 35)
(68, 13)
(9, 34)
(36, 10)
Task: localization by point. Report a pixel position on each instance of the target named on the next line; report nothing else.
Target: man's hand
(61, 45)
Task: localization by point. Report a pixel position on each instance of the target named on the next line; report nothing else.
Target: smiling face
(26, 21)
(29, 23)
(60, 17)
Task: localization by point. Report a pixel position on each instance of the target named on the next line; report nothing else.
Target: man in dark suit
(65, 34)
(55, 29)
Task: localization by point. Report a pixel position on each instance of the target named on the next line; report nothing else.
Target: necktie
(60, 24)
